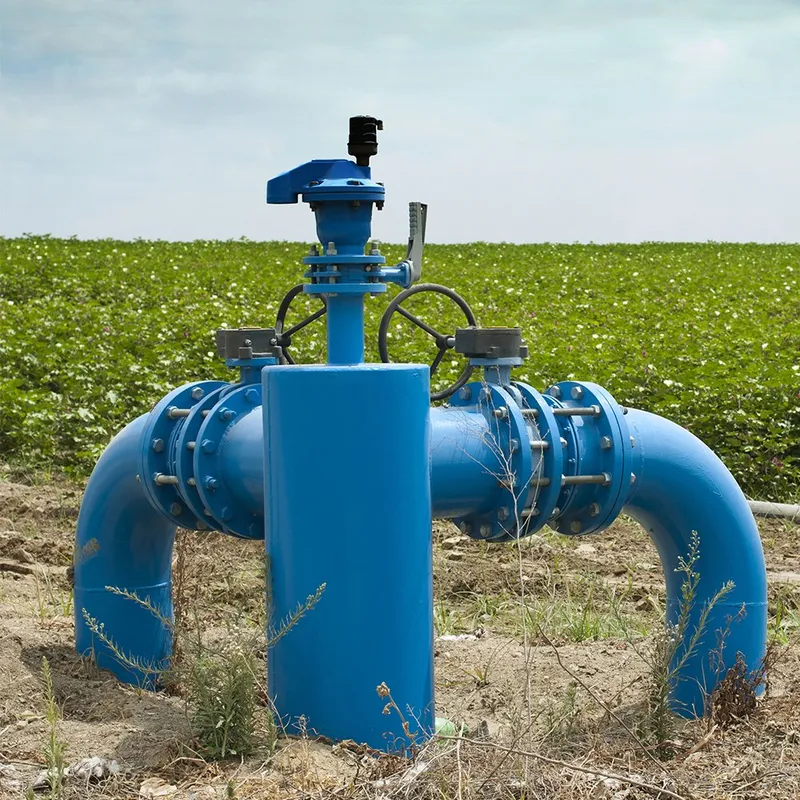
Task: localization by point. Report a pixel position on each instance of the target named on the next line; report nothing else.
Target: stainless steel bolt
(554, 391)
(564, 442)
(208, 445)
(513, 445)
(486, 529)
(251, 395)
(605, 442)
(175, 509)
(576, 392)
(556, 512)
(501, 413)
(157, 445)
(633, 478)
(227, 513)
(226, 414)
(210, 483)
(465, 393)
(503, 513)
(313, 250)
(607, 479)
(594, 509)
(575, 526)
(464, 528)
(197, 393)
(633, 441)
(331, 248)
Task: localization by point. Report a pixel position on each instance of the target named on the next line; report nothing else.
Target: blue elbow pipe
(124, 543)
(682, 487)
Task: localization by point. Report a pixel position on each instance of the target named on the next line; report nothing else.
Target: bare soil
(569, 710)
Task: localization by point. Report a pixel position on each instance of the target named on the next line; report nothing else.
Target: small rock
(43, 782)
(156, 787)
(93, 768)
(22, 555)
(452, 541)
(585, 549)
(455, 555)
(203, 793)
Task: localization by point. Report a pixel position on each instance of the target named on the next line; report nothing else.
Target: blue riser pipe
(123, 542)
(348, 505)
(681, 486)
(345, 329)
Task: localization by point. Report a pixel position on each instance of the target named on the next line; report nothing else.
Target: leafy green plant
(94, 332)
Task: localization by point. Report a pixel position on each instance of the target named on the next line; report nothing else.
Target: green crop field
(93, 333)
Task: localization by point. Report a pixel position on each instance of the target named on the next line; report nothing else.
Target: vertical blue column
(348, 504)
(346, 328)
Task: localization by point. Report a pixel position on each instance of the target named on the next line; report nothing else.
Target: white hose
(782, 510)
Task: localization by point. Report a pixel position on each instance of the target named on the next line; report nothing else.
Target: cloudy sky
(516, 120)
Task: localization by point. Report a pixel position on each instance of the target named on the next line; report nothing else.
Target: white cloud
(518, 119)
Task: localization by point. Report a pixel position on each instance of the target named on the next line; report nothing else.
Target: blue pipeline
(124, 543)
(681, 486)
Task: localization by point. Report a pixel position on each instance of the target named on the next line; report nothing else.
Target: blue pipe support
(348, 506)
(681, 486)
(123, 542)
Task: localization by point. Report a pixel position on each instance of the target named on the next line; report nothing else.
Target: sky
(515, 120)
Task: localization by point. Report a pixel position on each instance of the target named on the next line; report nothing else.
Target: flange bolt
(576, 392)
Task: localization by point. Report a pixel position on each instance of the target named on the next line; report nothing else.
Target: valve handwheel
(285, 336)
(444, 342)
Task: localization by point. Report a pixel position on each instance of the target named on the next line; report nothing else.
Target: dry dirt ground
(553, 701)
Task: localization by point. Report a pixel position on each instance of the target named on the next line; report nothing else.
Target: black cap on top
(363, 141)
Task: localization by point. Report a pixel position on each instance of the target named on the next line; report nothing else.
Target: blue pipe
(464, 465)
(345, 328)
(124, 543)
(681, 486)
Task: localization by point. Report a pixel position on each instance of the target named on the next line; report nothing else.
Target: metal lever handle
(417, 217)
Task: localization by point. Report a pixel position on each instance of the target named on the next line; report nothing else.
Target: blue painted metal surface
(218, 476)
(597, 444)
(681, 486)
(348, 505)
(122, 541)
(345, 328)
(463, 463)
